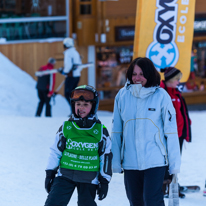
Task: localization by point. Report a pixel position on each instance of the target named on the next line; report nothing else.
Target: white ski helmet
(68, 42)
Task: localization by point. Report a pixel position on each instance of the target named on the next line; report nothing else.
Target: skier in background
(45, 87)
(172, 77)
(81, 153)
(71, 58)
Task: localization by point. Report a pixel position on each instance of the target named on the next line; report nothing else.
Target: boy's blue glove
(50, 175)
(102, 190)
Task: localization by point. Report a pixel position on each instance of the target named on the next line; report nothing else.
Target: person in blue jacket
(80, 155)
(144, 134)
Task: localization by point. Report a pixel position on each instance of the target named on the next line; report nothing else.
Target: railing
(35, 27)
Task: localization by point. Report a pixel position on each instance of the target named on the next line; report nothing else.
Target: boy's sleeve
(117, 137)
(105, 155)
(56, 150)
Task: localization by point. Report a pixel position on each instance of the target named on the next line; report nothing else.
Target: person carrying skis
(144, 134)
(81, 154)
(71, 58)
(172, 77)
(45, 87)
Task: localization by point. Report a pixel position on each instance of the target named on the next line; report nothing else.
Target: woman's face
(138, 77)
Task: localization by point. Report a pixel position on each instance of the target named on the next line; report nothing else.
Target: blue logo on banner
(163, 51)
(162, 55)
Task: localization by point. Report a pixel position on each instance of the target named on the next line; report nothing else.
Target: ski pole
(57, 90)
(204, 191)
(59, 87)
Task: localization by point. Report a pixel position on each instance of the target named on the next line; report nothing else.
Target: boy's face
(82, 108)
(173, 82)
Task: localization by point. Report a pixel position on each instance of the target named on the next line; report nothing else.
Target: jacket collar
(86, 122)
(139, 91)
(169, 89)
(69, 49)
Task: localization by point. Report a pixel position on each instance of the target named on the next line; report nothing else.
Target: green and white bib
(81, 151)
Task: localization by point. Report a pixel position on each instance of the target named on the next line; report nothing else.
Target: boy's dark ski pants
(144, 187)
(63, 188)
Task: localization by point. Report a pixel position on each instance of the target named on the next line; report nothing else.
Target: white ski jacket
(72, 57)
(105, 156)
(144, 131)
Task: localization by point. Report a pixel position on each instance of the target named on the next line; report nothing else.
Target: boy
(172, 77)
(81, 153)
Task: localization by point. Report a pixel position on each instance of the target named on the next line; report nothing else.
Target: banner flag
(164, 33)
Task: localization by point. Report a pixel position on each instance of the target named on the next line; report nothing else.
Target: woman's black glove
(50, 175)
(102, 190)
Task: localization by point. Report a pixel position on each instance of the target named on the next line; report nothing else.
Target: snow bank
(18, 95)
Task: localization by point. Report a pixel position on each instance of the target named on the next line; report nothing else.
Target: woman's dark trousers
(144, 187)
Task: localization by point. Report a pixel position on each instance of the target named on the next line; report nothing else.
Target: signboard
(164, 33)
(200, 25)
(124, 33)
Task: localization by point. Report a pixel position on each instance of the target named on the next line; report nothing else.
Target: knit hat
(170, 72)
(51, 60)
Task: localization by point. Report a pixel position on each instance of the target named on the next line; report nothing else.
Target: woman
(144, 134)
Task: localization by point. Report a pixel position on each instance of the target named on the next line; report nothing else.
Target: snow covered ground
(25, 142)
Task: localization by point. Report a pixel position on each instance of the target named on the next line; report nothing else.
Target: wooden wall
(30, 56)
(122, 8)
(200, 6)
(84, 25)
(116, 13)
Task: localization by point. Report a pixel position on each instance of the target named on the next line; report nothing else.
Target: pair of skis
(184, 190)
(46, 72)
(53, 71)
(189, 188)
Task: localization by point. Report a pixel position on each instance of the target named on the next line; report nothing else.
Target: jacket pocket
(161, 146)
(122, 149)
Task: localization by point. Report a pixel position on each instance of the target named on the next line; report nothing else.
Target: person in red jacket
(172, 77)
(45, 87)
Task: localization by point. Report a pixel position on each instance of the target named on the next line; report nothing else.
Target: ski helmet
(68, 42)
(86, 93)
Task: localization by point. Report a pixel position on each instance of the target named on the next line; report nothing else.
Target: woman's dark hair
(148, 69)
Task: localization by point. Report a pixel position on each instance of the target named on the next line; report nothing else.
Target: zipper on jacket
(165, 159)
(165, 156)
(106, 167)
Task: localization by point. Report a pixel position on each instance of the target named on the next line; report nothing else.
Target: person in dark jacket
(172, 77)
(45, 87)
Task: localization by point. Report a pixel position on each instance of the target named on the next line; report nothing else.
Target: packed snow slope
(25, 142)
(18, 94)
